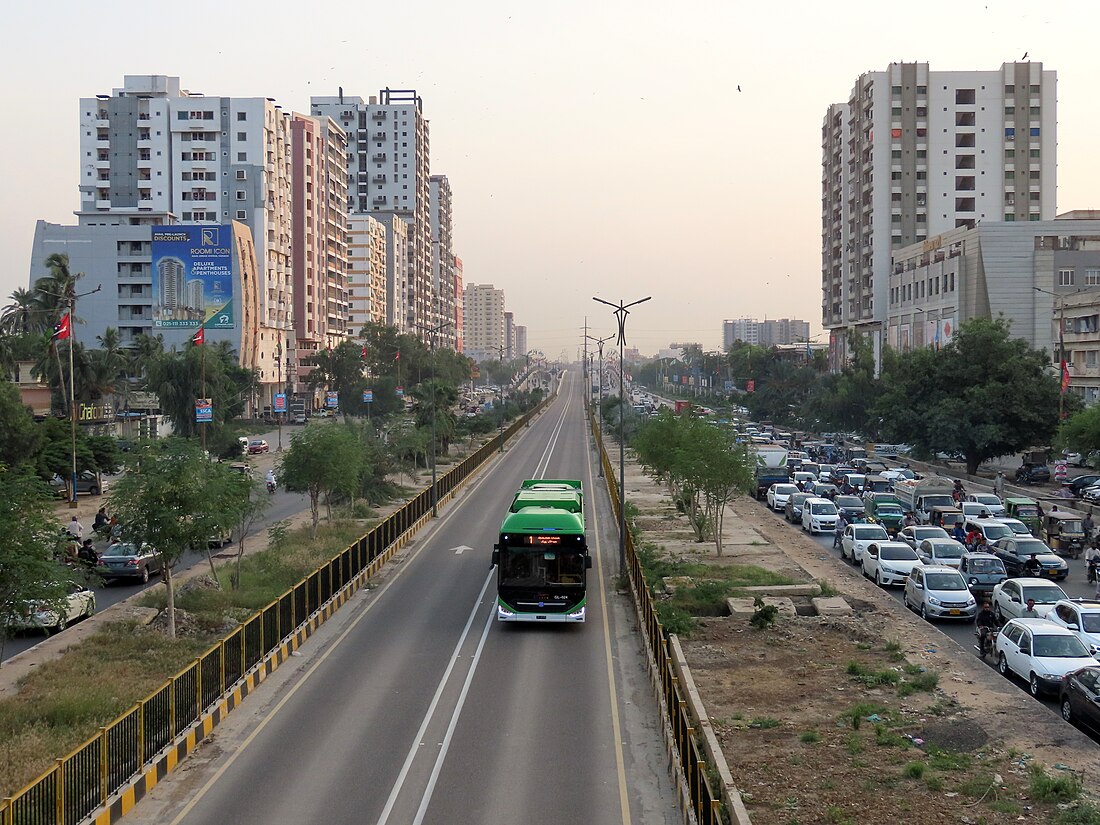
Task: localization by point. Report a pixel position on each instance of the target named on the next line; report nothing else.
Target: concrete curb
(731, 796)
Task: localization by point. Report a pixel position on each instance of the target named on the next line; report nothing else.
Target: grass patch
(1006, 806)
(977, 786)
(674, 619)
(934, 784)
(857, 713)
(927, 682)
(854, 744)
(64, 702)
(827, 588)
(764, 723)
(942, 760)
(914, 770)
(1083, 814)
(810, 737)
(1065, 787)
(886, 738)
(872, 678)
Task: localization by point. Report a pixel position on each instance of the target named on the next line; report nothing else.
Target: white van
(819, 515)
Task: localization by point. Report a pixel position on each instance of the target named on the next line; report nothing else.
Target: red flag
(1065, 377)
(61, 329)
(199, 338)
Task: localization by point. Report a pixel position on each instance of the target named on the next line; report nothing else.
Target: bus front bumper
(506, 614)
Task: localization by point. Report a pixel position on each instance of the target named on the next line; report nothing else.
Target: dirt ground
(862, 720)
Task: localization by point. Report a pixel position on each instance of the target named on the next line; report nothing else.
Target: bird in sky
(738, 88)
(1024, 57)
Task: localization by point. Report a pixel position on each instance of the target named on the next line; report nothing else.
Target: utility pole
(1063, 368)
(621, 310)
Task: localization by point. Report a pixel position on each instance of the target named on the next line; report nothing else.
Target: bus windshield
(527, 566)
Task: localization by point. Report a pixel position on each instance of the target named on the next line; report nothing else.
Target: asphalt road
(414, 705)
(283, 506)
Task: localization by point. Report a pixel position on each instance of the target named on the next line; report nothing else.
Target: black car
(1078, 485)
(792, 511)
(1015, 552)
(1079, 697)
(1031, 473)
(851, 507)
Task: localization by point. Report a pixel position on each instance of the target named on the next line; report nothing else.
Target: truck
(771, 467)
(919, 496)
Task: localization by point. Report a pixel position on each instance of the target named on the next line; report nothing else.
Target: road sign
(204, 410)
(368, 396)
(279, 403)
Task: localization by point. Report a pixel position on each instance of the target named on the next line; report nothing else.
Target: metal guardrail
(704, 802)
(84, 780)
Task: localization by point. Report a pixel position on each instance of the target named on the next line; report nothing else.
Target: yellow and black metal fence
(82, 782)
(703, 800)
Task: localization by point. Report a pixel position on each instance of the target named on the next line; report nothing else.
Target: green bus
(542, 562)
(569, 500)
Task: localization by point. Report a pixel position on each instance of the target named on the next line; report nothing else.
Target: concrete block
(744, 605)
(810, 589)
(831, 606)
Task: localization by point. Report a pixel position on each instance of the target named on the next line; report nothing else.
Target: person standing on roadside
(1087, 525)
(999, 484)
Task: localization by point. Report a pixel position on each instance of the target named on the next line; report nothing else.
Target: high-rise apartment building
(766, 333)
(509, 336)
(460, 301)
(914, 153)
(367, 254)
(521, 340)
(151, 148)
(483, 322)
(443, 261)
(388, 155)
(320, 246)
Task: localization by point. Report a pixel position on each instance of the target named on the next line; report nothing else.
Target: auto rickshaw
(1025, 510)
(945, 517)
(1064, 534)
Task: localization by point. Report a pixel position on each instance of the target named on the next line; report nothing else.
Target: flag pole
(72, 403)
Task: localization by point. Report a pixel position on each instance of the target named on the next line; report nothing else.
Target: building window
(1035, 131)
(1092, 277)
(242, 136)
(242, 157)
(1010, 154)
(1010, 133)
(241, 174)
(1010, 175)
(1034, 112)
(1010, 90)
(1033, 174)
(964, 96)
(1009, 111)
(1065, 277)
(241, 195)
(1009, 217)
(242, 115)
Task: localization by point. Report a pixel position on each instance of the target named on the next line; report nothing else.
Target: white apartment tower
(151, 148)
(367, 253)
(914, 153)
(443, 262)
(388, 174)
(483, 334)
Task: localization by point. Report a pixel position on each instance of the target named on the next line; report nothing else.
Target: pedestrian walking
(999, 484)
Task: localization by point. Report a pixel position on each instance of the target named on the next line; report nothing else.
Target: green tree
(1081, 431)
(258, 500)
(178, 379)
(723, 470)
(172, 499)
(435, 401)
(20, 439)
(322, 460)
(29, 569)
(341, 370)
(984, 395)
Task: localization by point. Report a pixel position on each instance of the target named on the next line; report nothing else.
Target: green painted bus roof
(569, 500)
(543, 520)
(551, 484)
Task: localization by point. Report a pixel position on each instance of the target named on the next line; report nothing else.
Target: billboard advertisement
(204, 410)
(193, 277)
(332, 400)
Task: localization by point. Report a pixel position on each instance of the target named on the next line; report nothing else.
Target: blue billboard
(193, 277)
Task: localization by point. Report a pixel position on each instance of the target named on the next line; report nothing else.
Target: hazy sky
(594, 148)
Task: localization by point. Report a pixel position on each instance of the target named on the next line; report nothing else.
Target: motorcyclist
(841, 523)
(958, 533)
(270, 481)
(1092, 559)
(1033, 567)
(986, 624)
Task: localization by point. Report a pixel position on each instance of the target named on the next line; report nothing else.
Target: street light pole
(621, 310)
(500, 395)
(435, 401)
(1062, 369)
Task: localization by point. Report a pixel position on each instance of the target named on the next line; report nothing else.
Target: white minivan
(819, 515)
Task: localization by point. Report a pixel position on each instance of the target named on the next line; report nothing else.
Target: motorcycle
(271, 487)
(987, 636)
(1090, 576)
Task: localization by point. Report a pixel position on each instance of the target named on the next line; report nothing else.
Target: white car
(992, 504)
(973, 510)
(913, 536)
(889, 562)
(80, 603)
(1010, 597)
(1040, 652)
(778, 495)
(1091, 493)
(819, 515)
(938, 592)
(856, 538)
(944, 552)
(1017, 527)
(1082, 618)
(803, 477)
(898, 474)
